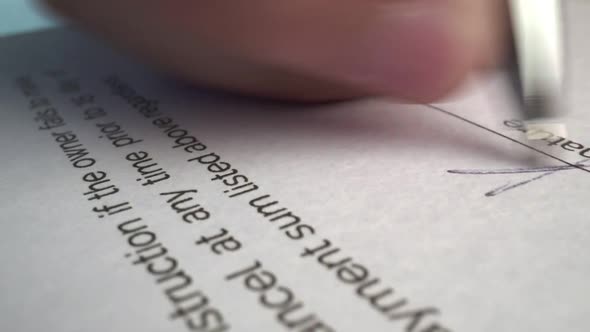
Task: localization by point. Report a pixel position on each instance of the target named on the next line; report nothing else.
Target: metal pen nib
(538, 70)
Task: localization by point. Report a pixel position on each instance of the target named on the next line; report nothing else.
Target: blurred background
(18, 16)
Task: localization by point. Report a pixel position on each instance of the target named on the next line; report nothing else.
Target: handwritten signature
(545, 171)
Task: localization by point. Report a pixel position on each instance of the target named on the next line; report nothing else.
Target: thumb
(416, 50)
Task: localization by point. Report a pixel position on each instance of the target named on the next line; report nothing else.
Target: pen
(537, 67)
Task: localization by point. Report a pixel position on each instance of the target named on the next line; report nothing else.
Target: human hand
(417, 50)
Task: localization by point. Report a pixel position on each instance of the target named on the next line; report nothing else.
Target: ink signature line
(549, 170)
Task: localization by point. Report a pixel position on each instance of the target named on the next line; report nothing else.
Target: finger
(306, 49)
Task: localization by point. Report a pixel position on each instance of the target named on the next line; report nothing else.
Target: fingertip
(432, 61)
(416, 55)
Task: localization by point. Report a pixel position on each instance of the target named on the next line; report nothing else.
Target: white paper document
(132, 202)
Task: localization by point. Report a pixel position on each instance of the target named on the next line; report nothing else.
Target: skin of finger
(306, 49)
(188, 55)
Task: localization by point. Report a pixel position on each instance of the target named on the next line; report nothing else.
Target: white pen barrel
(538, 33)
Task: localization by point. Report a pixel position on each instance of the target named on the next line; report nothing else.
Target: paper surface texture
(130, 202)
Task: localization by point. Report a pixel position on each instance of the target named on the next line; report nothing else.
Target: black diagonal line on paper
(506, 137)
